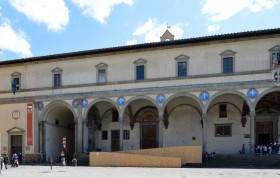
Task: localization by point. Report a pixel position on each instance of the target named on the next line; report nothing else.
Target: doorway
(264, 132)
(115, 140)
(16, 144)
(149, 136)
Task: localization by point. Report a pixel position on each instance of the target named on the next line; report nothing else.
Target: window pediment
(101, 65)
(182, 57)
(228, 53)
(16, 74)
(57, 70)
(15, 129)
(275, 48)
(140, 61)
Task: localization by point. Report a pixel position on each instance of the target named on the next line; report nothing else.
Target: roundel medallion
(160, 98)
(121, 101)
(40, 105)
(75, 103)
(84, 103)
(204, 96)
(16, 114)
(252, 93)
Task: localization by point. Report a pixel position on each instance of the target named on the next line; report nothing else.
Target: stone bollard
(74, 162)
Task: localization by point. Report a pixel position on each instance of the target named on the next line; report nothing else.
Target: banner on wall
(29, 124)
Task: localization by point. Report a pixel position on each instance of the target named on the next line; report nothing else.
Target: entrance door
(16, 144)
(115, 140)
(149, 136)
(264, 132)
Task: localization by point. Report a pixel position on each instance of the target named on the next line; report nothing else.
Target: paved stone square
(120, 172)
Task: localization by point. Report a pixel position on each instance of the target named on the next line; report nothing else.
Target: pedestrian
(1, 161)
(41, 157)
(19, 158)
(6, 160)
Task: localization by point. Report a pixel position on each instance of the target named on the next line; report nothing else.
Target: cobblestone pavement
(118, 172)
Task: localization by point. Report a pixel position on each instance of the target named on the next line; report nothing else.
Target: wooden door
(149, 136)
(115, 140)
(264, 132)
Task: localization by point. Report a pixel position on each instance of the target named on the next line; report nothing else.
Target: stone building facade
(217, 91)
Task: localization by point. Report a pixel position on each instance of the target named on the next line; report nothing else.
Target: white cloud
(99, 9)
(131, 42)
(14, 41)
(152, 31)
(219, 10)
(213, 28)
(53, 13)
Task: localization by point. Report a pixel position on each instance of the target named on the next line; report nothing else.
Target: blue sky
(43, 27)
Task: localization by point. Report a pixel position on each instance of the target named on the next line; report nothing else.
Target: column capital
(252, 114)
(42, 122)
(84, 120)
(204, 116)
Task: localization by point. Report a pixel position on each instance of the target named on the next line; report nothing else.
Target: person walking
(6, 160)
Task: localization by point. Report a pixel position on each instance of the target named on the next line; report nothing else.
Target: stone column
(42, 132)
(204, 124)
(36, 129)
(160, 129)
(85, 135)
(121, 130)
(252, 131)
(79, 129)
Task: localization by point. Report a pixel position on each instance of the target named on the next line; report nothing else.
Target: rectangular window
(182, 69)
(223, 110)
(228, 65)
(140, 72)
(115, 115)
(126, 134)
(17, 82)
(104, 135)
(57, 80)
(223, 130)
(101, 75)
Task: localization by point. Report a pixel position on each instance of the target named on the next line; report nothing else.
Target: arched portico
(182, 120)
(229, 123)
(267, 107)
(102, 126)
(141, 114)
(56, 122)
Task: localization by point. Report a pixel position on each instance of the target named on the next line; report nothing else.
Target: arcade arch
(57, 122)
(141, 118)
(182, 121)
(227, 123)
(267, 117)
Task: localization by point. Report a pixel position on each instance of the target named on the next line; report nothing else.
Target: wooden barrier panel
(117, 159)
(188, 154)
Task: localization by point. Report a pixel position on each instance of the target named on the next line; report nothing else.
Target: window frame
(225, 55)
(137, 63)
(182, 59)
(115, 111)
(56, 71)
(223, 134)
(126, 134)
(104, 135)
(101, 66)
(223, 114)
(142, 75)
(17, 75)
